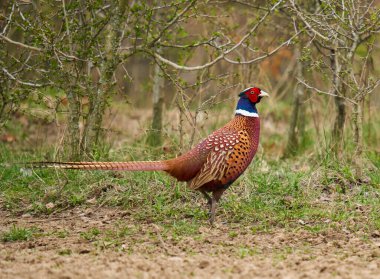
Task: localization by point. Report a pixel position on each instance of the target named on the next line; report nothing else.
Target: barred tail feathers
(117, 166)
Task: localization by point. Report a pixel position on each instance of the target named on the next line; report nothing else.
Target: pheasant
(212, 165)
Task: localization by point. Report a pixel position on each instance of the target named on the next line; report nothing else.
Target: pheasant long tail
(117, 166)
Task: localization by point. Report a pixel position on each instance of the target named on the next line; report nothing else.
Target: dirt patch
(108, 243)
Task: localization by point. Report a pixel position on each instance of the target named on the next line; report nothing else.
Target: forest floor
(107, 242)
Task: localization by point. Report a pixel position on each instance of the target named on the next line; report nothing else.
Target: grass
(18, 234)
(65, 252)
(91, 235)
(288, 194)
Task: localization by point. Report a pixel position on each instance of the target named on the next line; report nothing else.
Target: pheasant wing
(216, 164)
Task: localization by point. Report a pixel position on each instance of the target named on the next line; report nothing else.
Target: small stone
(50, 205)
(204, 264)
(91, 201)
(375, 254)
(84, 251)
(302, 222)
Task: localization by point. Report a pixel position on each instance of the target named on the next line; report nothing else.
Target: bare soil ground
(67, 246)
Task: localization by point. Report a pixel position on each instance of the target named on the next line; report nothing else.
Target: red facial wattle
(253, 94)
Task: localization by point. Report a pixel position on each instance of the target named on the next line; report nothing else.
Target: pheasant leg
(212, 210)
(216, 195)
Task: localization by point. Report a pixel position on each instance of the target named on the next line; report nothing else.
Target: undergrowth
(311, 195)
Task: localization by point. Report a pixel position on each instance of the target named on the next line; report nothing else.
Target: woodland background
(146, 80)
(79, 67)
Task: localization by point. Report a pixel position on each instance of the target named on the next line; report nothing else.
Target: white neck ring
(246, 113)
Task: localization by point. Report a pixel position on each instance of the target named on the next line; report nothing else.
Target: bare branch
(208, 42)
(19, 44)
(9, 20)
(12, 77)
(67, 26)
(257, 59)
(173, 21)
(223, 54)
(306, 22)
(324, 92)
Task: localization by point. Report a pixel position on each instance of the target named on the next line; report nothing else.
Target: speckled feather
(221, 158)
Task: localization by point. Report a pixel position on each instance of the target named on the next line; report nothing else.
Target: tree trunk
(155, 133)
(98, 98)
(297, 121)
(357, 121)
(93, 120)
(181, 122)
(340, 105)
(339, 121)
(73, 123)
(3, 104)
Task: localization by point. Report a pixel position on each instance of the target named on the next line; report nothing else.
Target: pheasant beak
(263, 94)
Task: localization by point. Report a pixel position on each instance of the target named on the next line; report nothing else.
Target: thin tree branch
(287, 42)
(12, 77)
(324, 92)
(173, 21)
(223, 54)
(20, 44)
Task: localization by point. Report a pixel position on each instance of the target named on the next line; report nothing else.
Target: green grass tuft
(18, 234)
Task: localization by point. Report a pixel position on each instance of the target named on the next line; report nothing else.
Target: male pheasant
(211, 166)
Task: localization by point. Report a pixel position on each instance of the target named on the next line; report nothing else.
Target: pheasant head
(248, 100)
